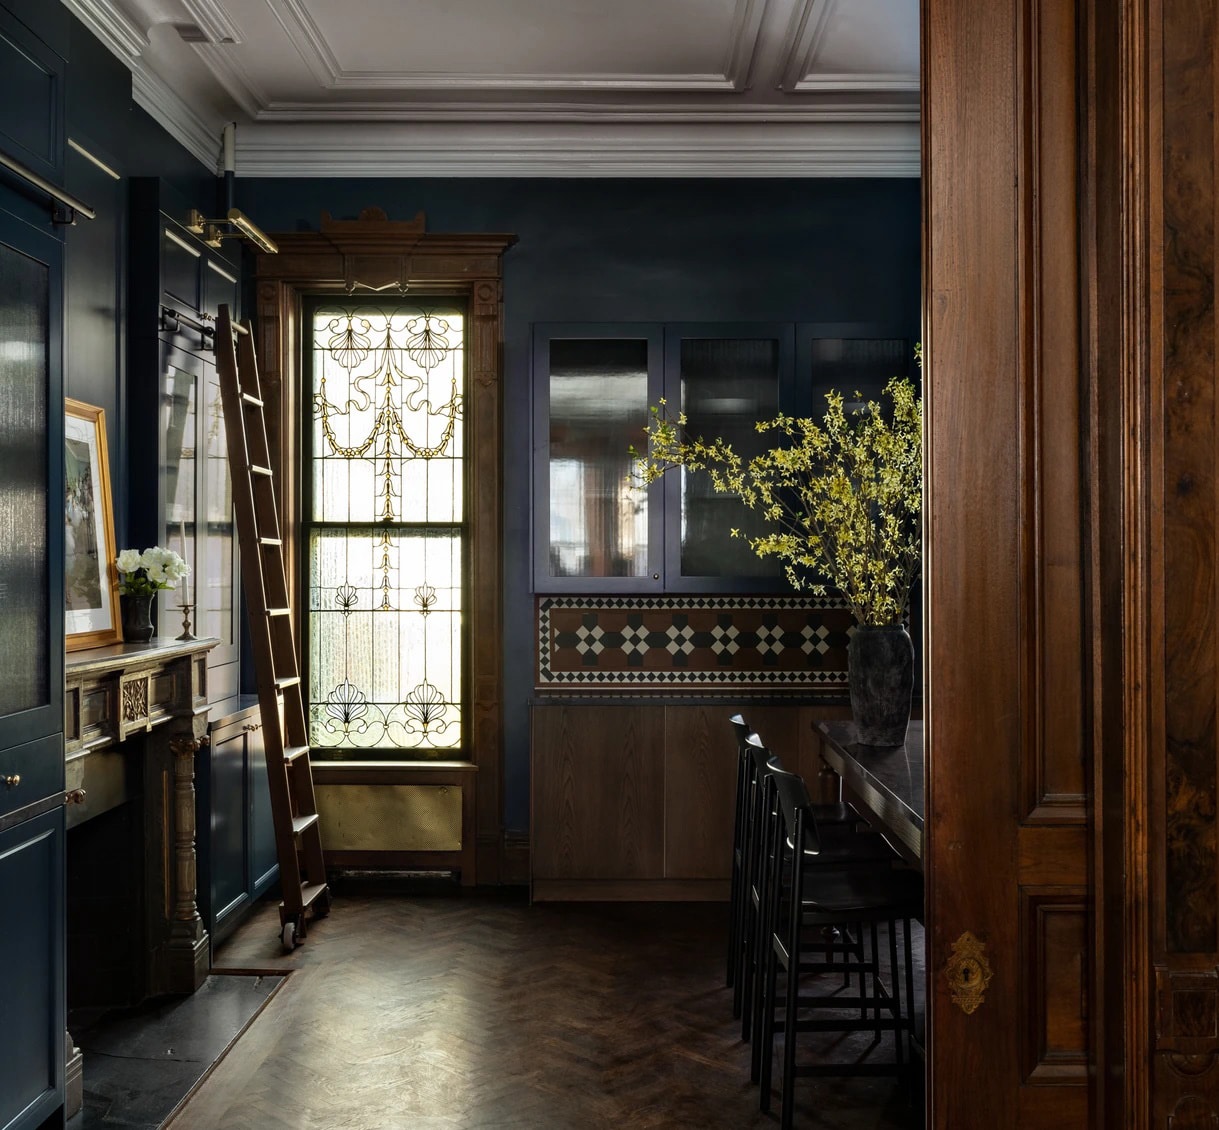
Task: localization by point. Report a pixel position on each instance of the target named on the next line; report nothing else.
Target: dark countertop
(887, 781)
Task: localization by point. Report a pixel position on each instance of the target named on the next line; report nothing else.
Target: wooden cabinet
(181, 494)
(635, 801)
(237, 839)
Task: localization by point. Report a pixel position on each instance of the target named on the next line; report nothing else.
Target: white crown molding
(239, 84)
(745, 42)
(308, 40)
(474, 150)
(122, 36)
(900, 109)
(198, 135)
(213, 20)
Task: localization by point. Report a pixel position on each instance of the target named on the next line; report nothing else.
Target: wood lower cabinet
(237, 861)
(636, 801)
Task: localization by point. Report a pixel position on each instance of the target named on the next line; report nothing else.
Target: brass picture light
(212, 235)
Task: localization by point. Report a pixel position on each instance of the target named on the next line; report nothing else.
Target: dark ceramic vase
(881, 676)
(137, 616)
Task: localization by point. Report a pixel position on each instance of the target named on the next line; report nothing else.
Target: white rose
(128, 561)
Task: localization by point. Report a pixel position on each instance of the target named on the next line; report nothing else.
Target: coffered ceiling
(529, 87)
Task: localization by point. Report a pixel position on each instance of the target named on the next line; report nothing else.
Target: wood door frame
(1147, 95)
(356, 259)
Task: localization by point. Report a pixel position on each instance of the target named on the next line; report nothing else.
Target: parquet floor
(479, 1011)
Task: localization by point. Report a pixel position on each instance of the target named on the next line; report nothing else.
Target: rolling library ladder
(298, 840)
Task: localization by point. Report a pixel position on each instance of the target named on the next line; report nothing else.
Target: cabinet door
(31, 99)
(31, 483)
(228, 865)
(32, 961)
(215, 588)
(598, 792)
(264, 866)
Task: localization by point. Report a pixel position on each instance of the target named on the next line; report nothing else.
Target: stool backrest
(796, 811)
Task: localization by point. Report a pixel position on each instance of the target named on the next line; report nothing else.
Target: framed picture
(91, 582)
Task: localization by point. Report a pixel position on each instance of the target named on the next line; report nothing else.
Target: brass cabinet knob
(74, 796)
(12, 780)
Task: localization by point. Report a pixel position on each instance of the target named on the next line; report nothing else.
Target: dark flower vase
(881, 677)
(137, 616)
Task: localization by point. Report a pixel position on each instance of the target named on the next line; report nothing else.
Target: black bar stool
(803, 902)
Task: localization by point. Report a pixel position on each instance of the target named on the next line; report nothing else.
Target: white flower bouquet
(150, 571)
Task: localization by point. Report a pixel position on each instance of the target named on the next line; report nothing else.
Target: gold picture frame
(91, 580)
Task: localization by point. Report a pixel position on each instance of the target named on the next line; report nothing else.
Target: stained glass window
(386, 535)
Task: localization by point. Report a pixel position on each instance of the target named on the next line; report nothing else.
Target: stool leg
(895, 999)
(766, 1036)
(874, 968)
(909, 986)
(734, 927)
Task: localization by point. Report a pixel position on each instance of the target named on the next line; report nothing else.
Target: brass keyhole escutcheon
(968, 972)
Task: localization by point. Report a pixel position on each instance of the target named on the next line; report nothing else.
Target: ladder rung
(295, 751)
(278, 611)
(302, 823)
(287, 681)
(251, 399)
(255, 469)
(270, 541)
(310, 892)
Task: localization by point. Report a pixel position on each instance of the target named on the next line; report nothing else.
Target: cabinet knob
(74, 796)
(251, 728)
(12, 780)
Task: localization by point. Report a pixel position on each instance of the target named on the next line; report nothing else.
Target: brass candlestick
(187, 634)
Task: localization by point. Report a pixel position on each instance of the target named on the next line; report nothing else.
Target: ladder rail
(264, 579)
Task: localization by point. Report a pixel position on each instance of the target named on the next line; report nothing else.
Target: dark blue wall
(636, 250)
(101, 116)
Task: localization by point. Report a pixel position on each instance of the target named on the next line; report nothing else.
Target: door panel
(31, 956)
(1007, 838)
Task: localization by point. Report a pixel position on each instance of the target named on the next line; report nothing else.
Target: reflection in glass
(25, 680)
(178, 427)
(598, 408)
(851, 365)
(212, 587)
(727, 385)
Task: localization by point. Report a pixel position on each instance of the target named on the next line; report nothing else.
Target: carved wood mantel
(157, 691)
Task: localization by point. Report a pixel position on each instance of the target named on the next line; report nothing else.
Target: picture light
(212, 235)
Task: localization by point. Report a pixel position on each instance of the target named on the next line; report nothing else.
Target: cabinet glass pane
(727, 385)
(213, 585)
(851, 365)
(598, 409)
(178, 391)
(24, 599)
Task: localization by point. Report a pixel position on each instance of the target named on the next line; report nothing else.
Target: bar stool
(803, 901)
(748, 797)
(846, 843)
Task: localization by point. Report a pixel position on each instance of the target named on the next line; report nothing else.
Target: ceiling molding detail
(196, 134)
(122, 36)
(310, 42)
(213, 21)
(825, 150)
(806, 35)
(240, 85)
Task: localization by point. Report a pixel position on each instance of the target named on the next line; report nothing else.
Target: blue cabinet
(237, 862)
(31, 672)
(32, 956)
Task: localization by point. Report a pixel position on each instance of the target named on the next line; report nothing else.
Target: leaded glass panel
(386, 546)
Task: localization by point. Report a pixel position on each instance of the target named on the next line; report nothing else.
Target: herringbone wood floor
(476, 1010)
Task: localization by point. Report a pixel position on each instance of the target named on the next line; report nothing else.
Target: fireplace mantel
(146, 704)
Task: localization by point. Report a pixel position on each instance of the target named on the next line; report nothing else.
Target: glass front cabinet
(183, 501)
(597, 528)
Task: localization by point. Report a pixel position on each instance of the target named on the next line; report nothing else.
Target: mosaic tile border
(692, 641)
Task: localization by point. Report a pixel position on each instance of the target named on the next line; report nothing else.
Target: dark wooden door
(1007, 799)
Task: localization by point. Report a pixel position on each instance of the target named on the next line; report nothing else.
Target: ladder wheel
(288, 935)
